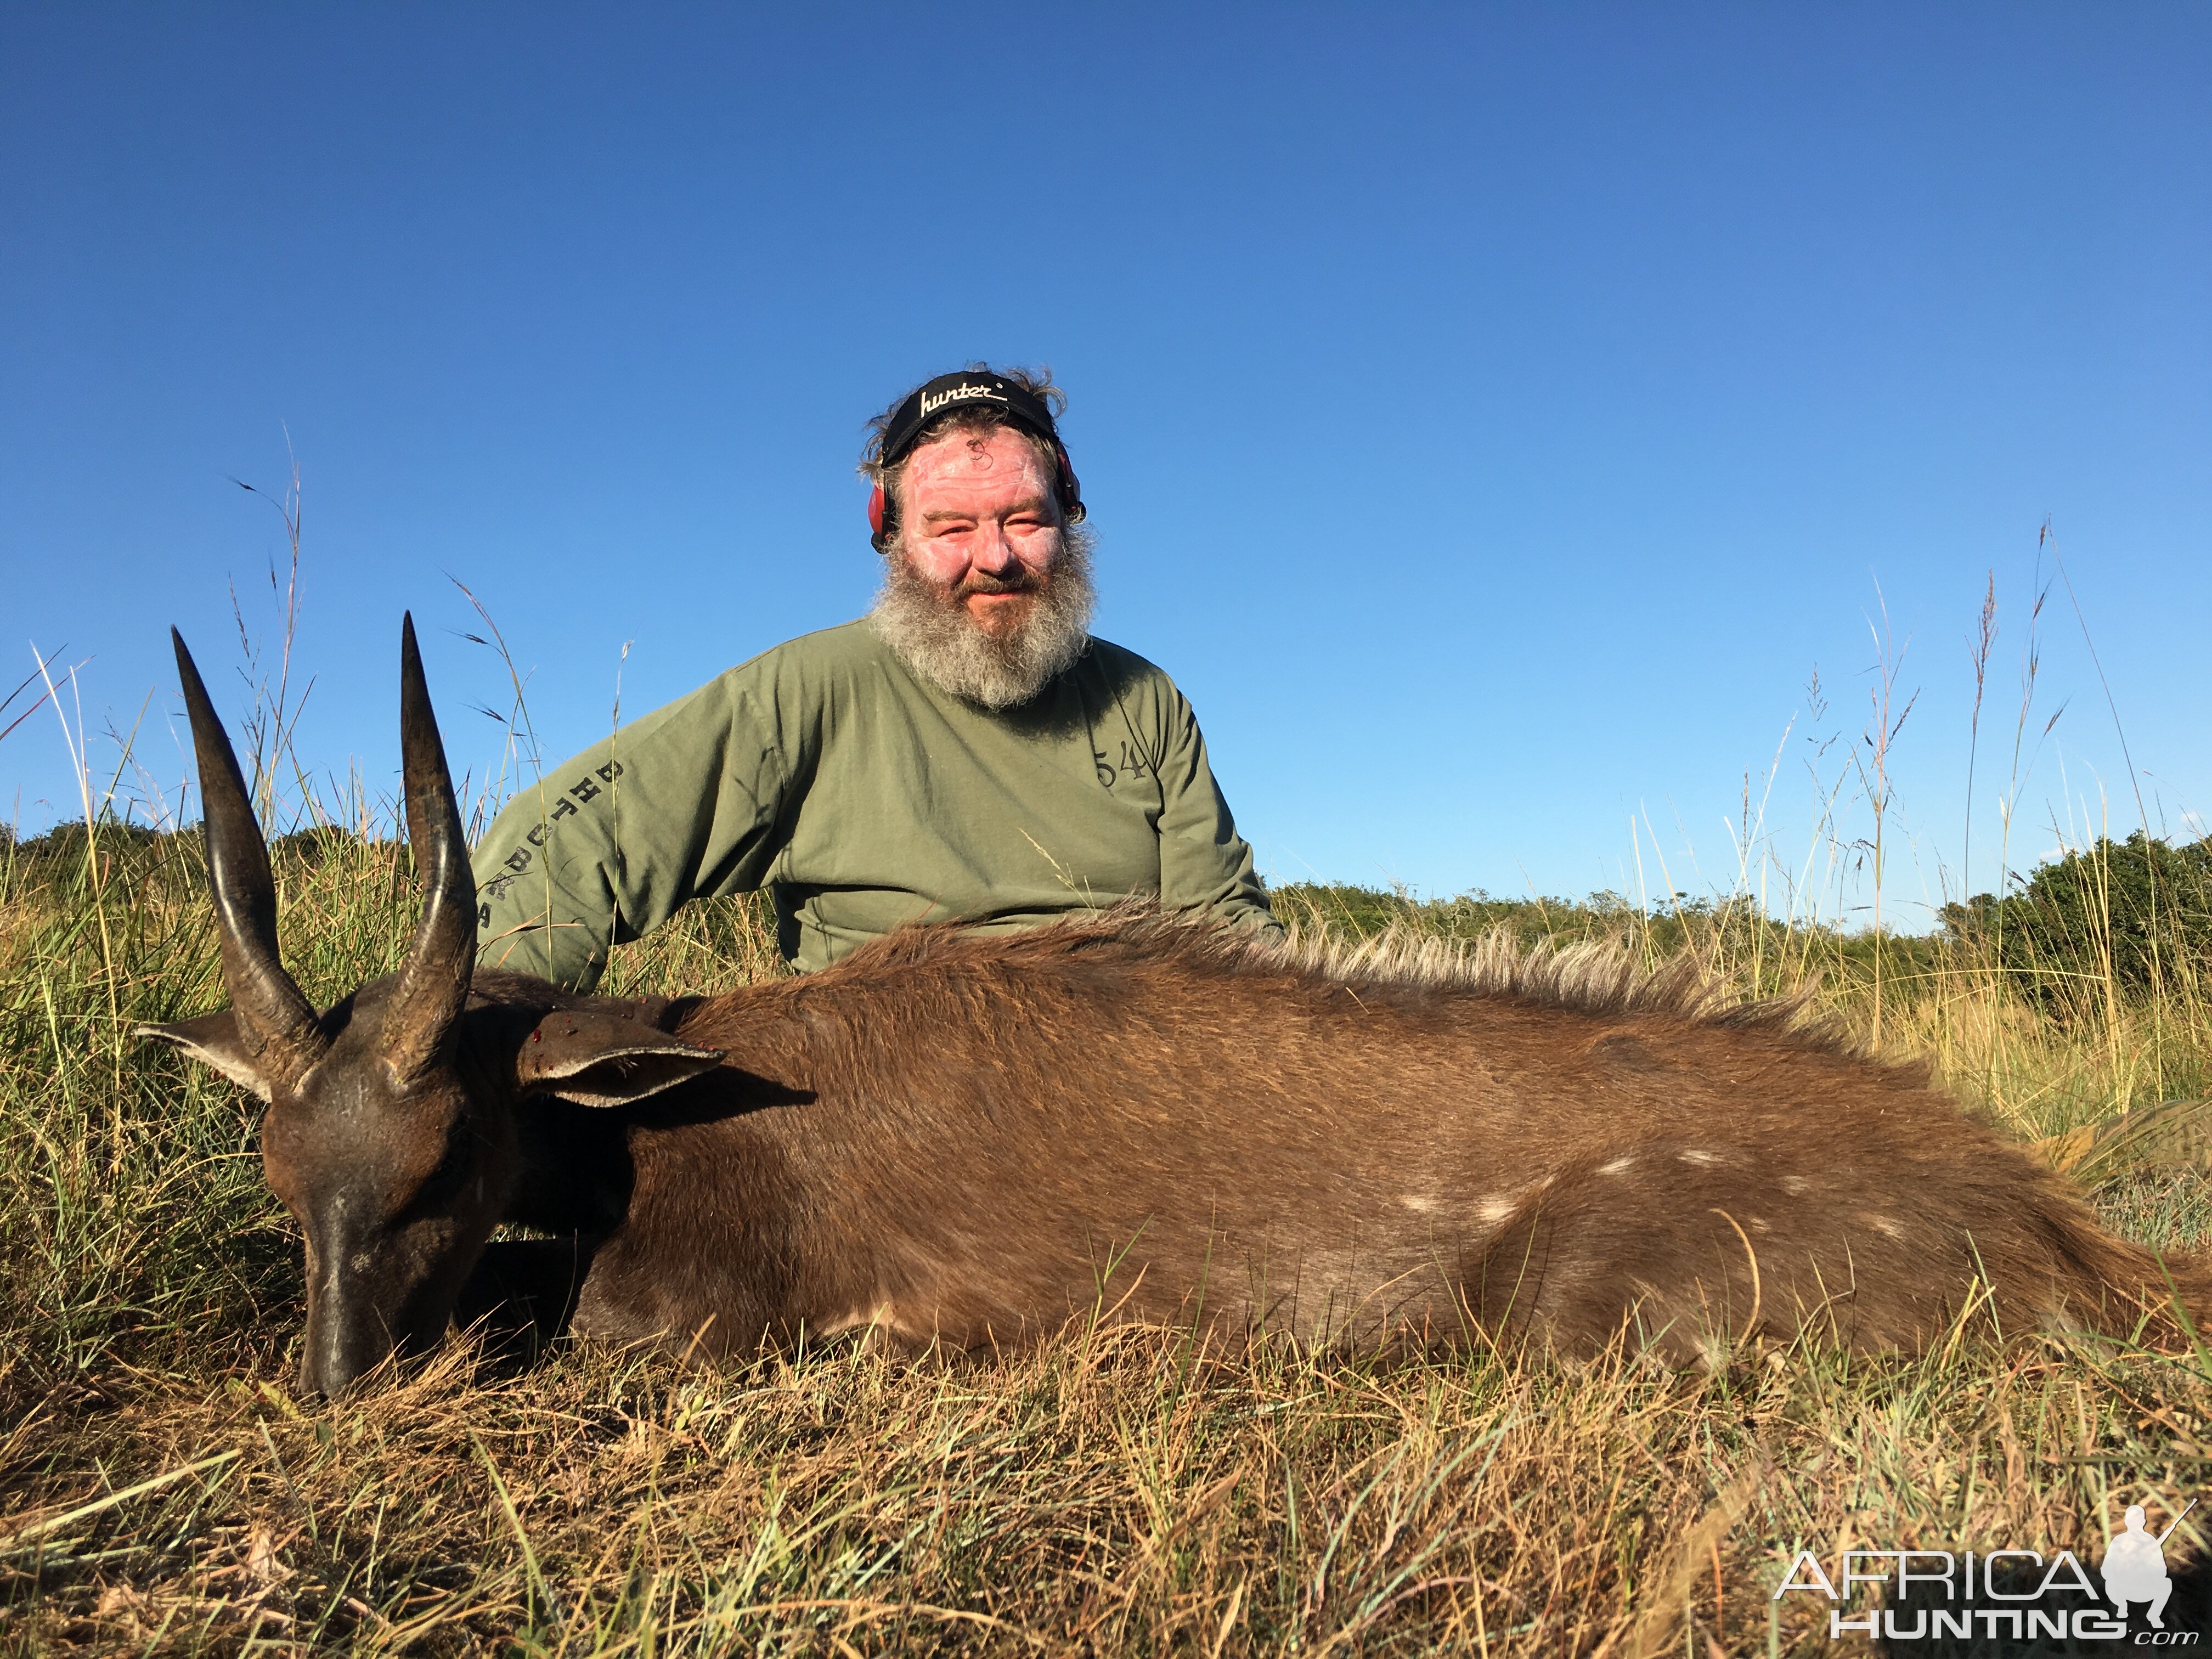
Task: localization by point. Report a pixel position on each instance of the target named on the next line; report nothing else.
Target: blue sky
(1491, 416)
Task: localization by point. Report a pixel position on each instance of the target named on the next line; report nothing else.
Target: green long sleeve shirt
(863, 798)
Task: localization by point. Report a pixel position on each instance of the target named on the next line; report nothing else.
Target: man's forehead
(970, 461)
(962, 453)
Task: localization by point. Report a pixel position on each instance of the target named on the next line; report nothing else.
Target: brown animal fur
(969, 1140)
(966, 1138)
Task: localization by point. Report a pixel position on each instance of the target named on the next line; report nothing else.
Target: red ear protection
(876, 515)
(1071, 492)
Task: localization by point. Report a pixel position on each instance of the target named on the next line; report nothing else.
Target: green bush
(2127, 918)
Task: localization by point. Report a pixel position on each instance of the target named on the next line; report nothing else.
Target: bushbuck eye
(441, 1180)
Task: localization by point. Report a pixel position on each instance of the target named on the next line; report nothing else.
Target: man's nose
(991, 550)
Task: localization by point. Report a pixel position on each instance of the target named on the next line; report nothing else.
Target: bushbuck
(967, 1140)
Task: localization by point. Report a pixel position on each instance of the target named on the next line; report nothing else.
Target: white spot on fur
(1888, 1224)
(1420, 1205)
(1795, 1186)
(1494, 1210)
(1619, 1166)
(1695, 1157)
(883, 1316)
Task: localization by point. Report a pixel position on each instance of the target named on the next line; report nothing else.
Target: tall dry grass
(162, 1489)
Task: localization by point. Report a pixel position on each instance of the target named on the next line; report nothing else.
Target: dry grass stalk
(1115, 1491)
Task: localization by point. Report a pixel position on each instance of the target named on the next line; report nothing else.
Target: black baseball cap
(948, 393)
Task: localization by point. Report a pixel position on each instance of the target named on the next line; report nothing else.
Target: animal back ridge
(1595, 977)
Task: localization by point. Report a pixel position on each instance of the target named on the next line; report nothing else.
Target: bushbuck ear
(603, 1059)
(213, 1040)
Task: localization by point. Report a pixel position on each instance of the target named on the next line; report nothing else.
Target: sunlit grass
(1114, 1492)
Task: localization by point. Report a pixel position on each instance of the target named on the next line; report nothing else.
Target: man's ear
(213, 1040)
(603, 1059)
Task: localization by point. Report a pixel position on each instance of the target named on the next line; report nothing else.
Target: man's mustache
(1021, 580)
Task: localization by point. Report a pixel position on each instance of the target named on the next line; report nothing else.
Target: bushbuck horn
(275, 1023)
(433, 986)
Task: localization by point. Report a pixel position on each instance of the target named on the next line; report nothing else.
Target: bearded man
(967, 753)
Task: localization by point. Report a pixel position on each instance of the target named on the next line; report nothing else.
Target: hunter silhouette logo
(2135, 1565)
(1998, 1595)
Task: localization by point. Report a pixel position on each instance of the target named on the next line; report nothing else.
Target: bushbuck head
(390, 1134)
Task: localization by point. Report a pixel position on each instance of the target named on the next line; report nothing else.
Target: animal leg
(523, 1292)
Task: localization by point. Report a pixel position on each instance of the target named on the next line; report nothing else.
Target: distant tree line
(2115, 918)
(2130, 916)
(133, 850)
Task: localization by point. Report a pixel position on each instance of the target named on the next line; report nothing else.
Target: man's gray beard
(933, 634)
